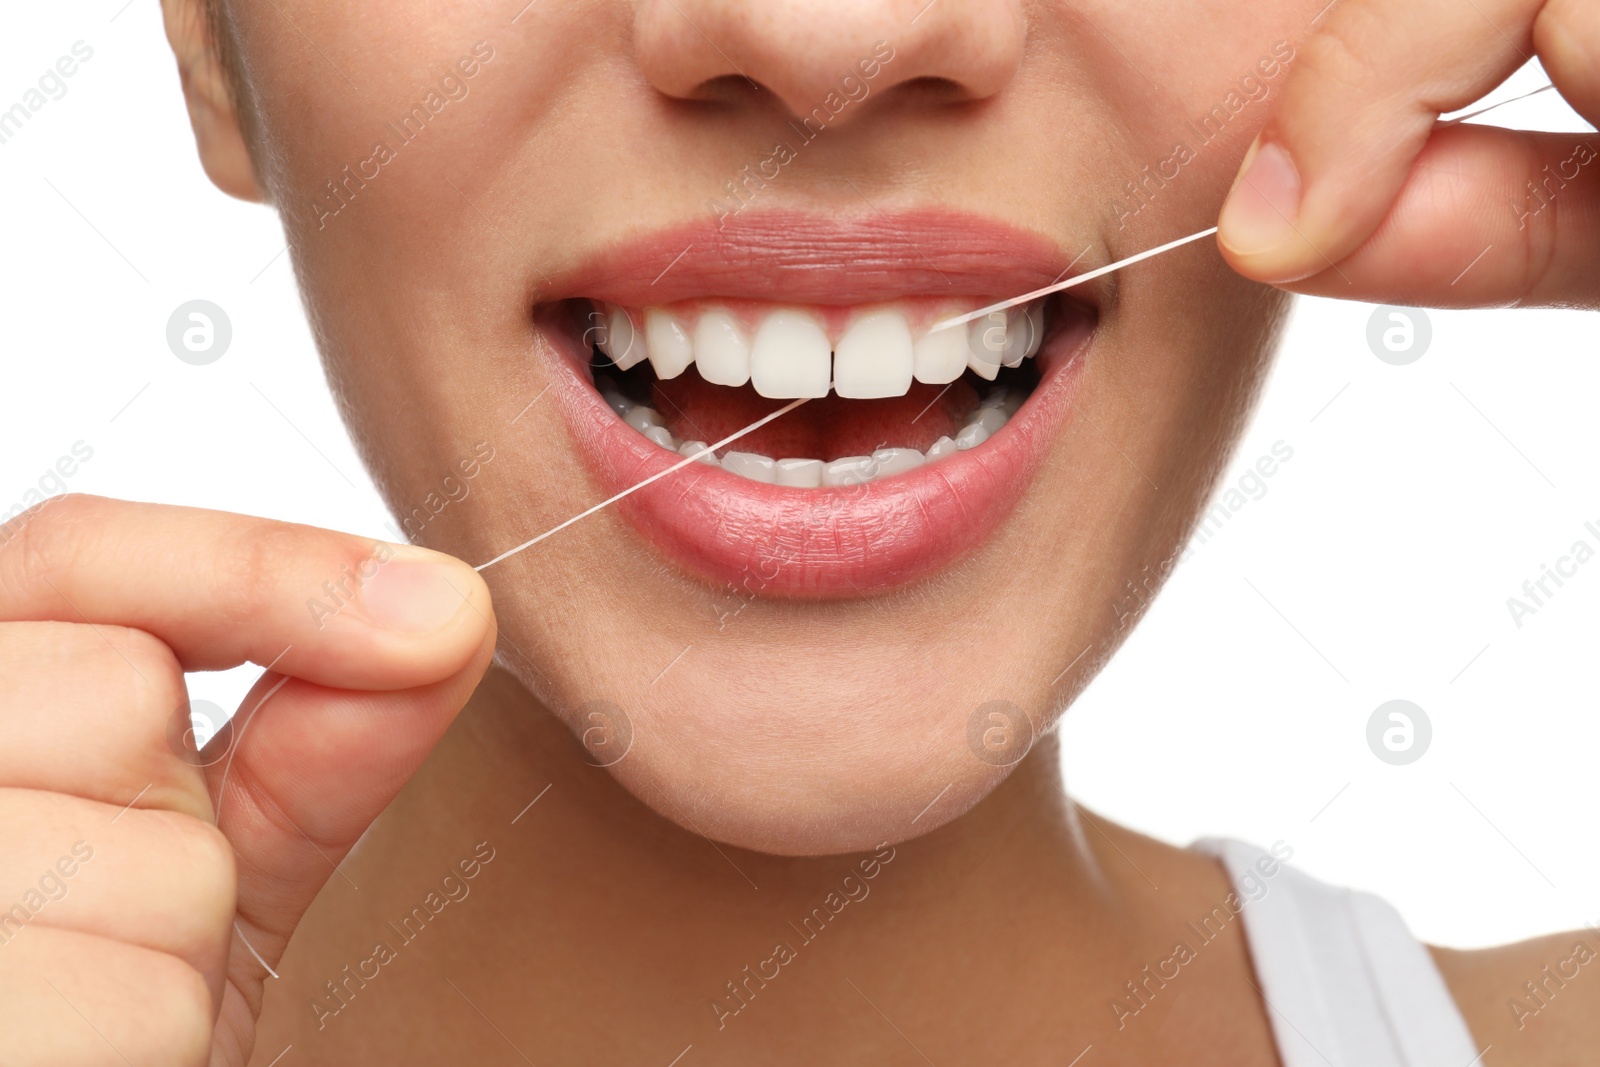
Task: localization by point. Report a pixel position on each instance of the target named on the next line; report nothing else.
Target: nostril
(821, 53)
(933, 90)
(728, 89)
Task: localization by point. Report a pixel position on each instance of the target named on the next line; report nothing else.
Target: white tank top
(1345, 983)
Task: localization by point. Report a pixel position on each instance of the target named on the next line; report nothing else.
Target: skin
(618, 904)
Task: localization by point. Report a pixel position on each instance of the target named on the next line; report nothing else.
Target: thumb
(303, 770)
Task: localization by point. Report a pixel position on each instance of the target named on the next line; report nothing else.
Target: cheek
(1188, 79)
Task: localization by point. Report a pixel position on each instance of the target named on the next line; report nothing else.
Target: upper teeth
(788, 354)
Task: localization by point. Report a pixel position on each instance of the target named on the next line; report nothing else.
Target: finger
(98, 712)
(225, 589)
(304, 777)
(156, 879)
(357, 699)
(1360, 103)
(1567, 37)
(1488, 217)
(69, 999)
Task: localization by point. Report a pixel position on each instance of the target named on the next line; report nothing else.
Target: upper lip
(799, 257)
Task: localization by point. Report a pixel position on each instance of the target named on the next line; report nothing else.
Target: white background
(1376, 566)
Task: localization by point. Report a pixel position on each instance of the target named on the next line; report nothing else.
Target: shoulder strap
(1345, 983)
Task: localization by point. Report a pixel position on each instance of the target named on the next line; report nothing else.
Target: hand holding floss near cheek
(1354, 189)
(1322, 178)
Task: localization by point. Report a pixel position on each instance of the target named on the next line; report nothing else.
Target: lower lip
(823, 543)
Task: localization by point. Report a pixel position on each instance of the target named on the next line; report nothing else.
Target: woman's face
(790, 668)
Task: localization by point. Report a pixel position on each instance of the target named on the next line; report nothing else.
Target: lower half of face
(550, 259)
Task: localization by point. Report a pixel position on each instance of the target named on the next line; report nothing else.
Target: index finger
(222, 589)
(1360, 104)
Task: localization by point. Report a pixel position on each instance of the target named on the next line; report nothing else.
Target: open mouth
(890, 392)
(914, 442)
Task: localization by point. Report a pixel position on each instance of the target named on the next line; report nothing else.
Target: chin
(785, 769)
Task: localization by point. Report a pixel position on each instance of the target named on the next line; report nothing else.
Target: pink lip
(820, 542)
(803, 258)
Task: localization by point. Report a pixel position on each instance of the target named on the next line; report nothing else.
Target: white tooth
(611, 394)
(897, 460)
(971, 436)
(851, 470)
(668, 343)
(939, 357)
(1035, 326)
(800, 473)
(874, 357)
(757, 468)
(641, 418)
(699, 450)
(1016, 349)
(790, 357)
(986, 343)
(995, 397)
(721, 353)
(663, 437)
(991, 419)
(1013, 403)
(941, 448)
(625, 348)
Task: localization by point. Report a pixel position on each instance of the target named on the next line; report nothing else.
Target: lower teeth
(996, 409)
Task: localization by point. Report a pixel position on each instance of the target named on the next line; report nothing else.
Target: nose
(813, 54)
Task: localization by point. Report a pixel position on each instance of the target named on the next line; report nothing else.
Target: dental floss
(635, 488)
(1491, 107)
(790, 407)
(1076, 279)
(959, 320)
(941, 325)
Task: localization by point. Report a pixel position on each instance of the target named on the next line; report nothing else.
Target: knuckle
(206, 858)
(154, 662)
(126, 668)
(37, 535)
(1566, 36)
(1345, 51)
(1565, 20)
(207, 886)
(179, 1003)
(254, 563)
(143, 673)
